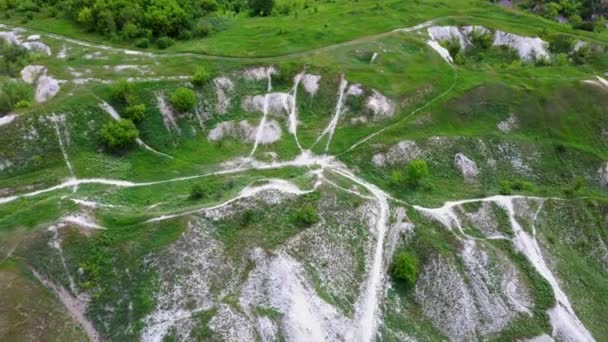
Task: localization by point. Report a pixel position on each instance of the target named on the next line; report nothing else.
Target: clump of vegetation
(405, 267)
(122, 92)
(261, 7)
(14, 94)
(417, 170)
(119, 134)
(164, 42)
(14, 59)
(136, 112)
(197, 192)
(305, 216)
(201, 76)
(183, 99)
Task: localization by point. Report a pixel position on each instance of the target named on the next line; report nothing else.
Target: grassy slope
(553, 105)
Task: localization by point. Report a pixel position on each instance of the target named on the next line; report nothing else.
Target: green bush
(13, 92)
(23, 104)
(135, 113)
(305, 216)
(122, 92)
(560, 43)
(261, 8)
(119, 134)
(197, 192)
(505, 188)
(13, 59)
(482, 40)
(142, 43)
(201, 76)
(405, 267)
(183, 99)
(417, 170)
(164, 42)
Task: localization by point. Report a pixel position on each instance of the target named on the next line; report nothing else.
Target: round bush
(405, 267)
(183, 99)
(135, 113)
(201, 76)
(119, 134)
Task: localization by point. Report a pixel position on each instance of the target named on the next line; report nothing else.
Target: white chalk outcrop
(509, 124)
(271, 131)
(224, 87)
(275, 103)
(603, 175)
(32, 43)
(402, 152)
(311, 83)
(466, 166)
(259, 73)
(528, 48)
(46, 86)
(381, 106)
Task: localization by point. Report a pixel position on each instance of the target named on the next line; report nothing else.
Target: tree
(119, 134)
(201, 76)
(417, 170)
(405, 267)
(135, 113)
(183, 99)
(261, 8)
(122, 92)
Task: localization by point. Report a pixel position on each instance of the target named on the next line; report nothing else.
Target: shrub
(135, 113)
(119, 134)
(23, 104)
(560, 43)
(183, 99)
(397, 177)
(481, 40)
(197, 192)
(202, 28)
(260, 8)
(417, 170)
(453, 47)
(142, 43)
(522, 185)
(405, 267)
(305, 216)
(122, 92)
(505, 188)
(164, 42)
(13, 92)
(201, 76)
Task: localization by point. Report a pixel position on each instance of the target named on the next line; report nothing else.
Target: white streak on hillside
(76, 308)
(106, 107)
(5, 120)
(167, 112)
(260, 130)
(563, 318)
(331, 127)
(55, 119)
(293, 116)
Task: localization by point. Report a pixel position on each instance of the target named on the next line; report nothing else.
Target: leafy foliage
(122, 92)
(14, 94)
(197, 192)
(135, 113)
(119, 134)
(183, 99)
(14, 59)
(417, 170)
(405, 267)
(201, 76)
(261, 7)
(305, 216)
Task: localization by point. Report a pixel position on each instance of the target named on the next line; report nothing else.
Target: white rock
(311, 83)
(38, 46)
(5, 120)
(259, 73)
(603, 175)
(380, 105)
(449, 33)
(527, 48)
(46, 86)
(509, 124)
(466, 166)
(34, 37)
(223, 89)
(402, 152)
(354, 90)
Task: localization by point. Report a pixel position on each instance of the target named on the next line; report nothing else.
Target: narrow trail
(131, 52)
(55, 119)
(417, 110)
(75, 307)
(331, 127)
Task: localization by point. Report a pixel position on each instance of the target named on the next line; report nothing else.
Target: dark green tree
(119, 134)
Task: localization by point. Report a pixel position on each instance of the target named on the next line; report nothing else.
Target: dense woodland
(581, 14)
(141, 20)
